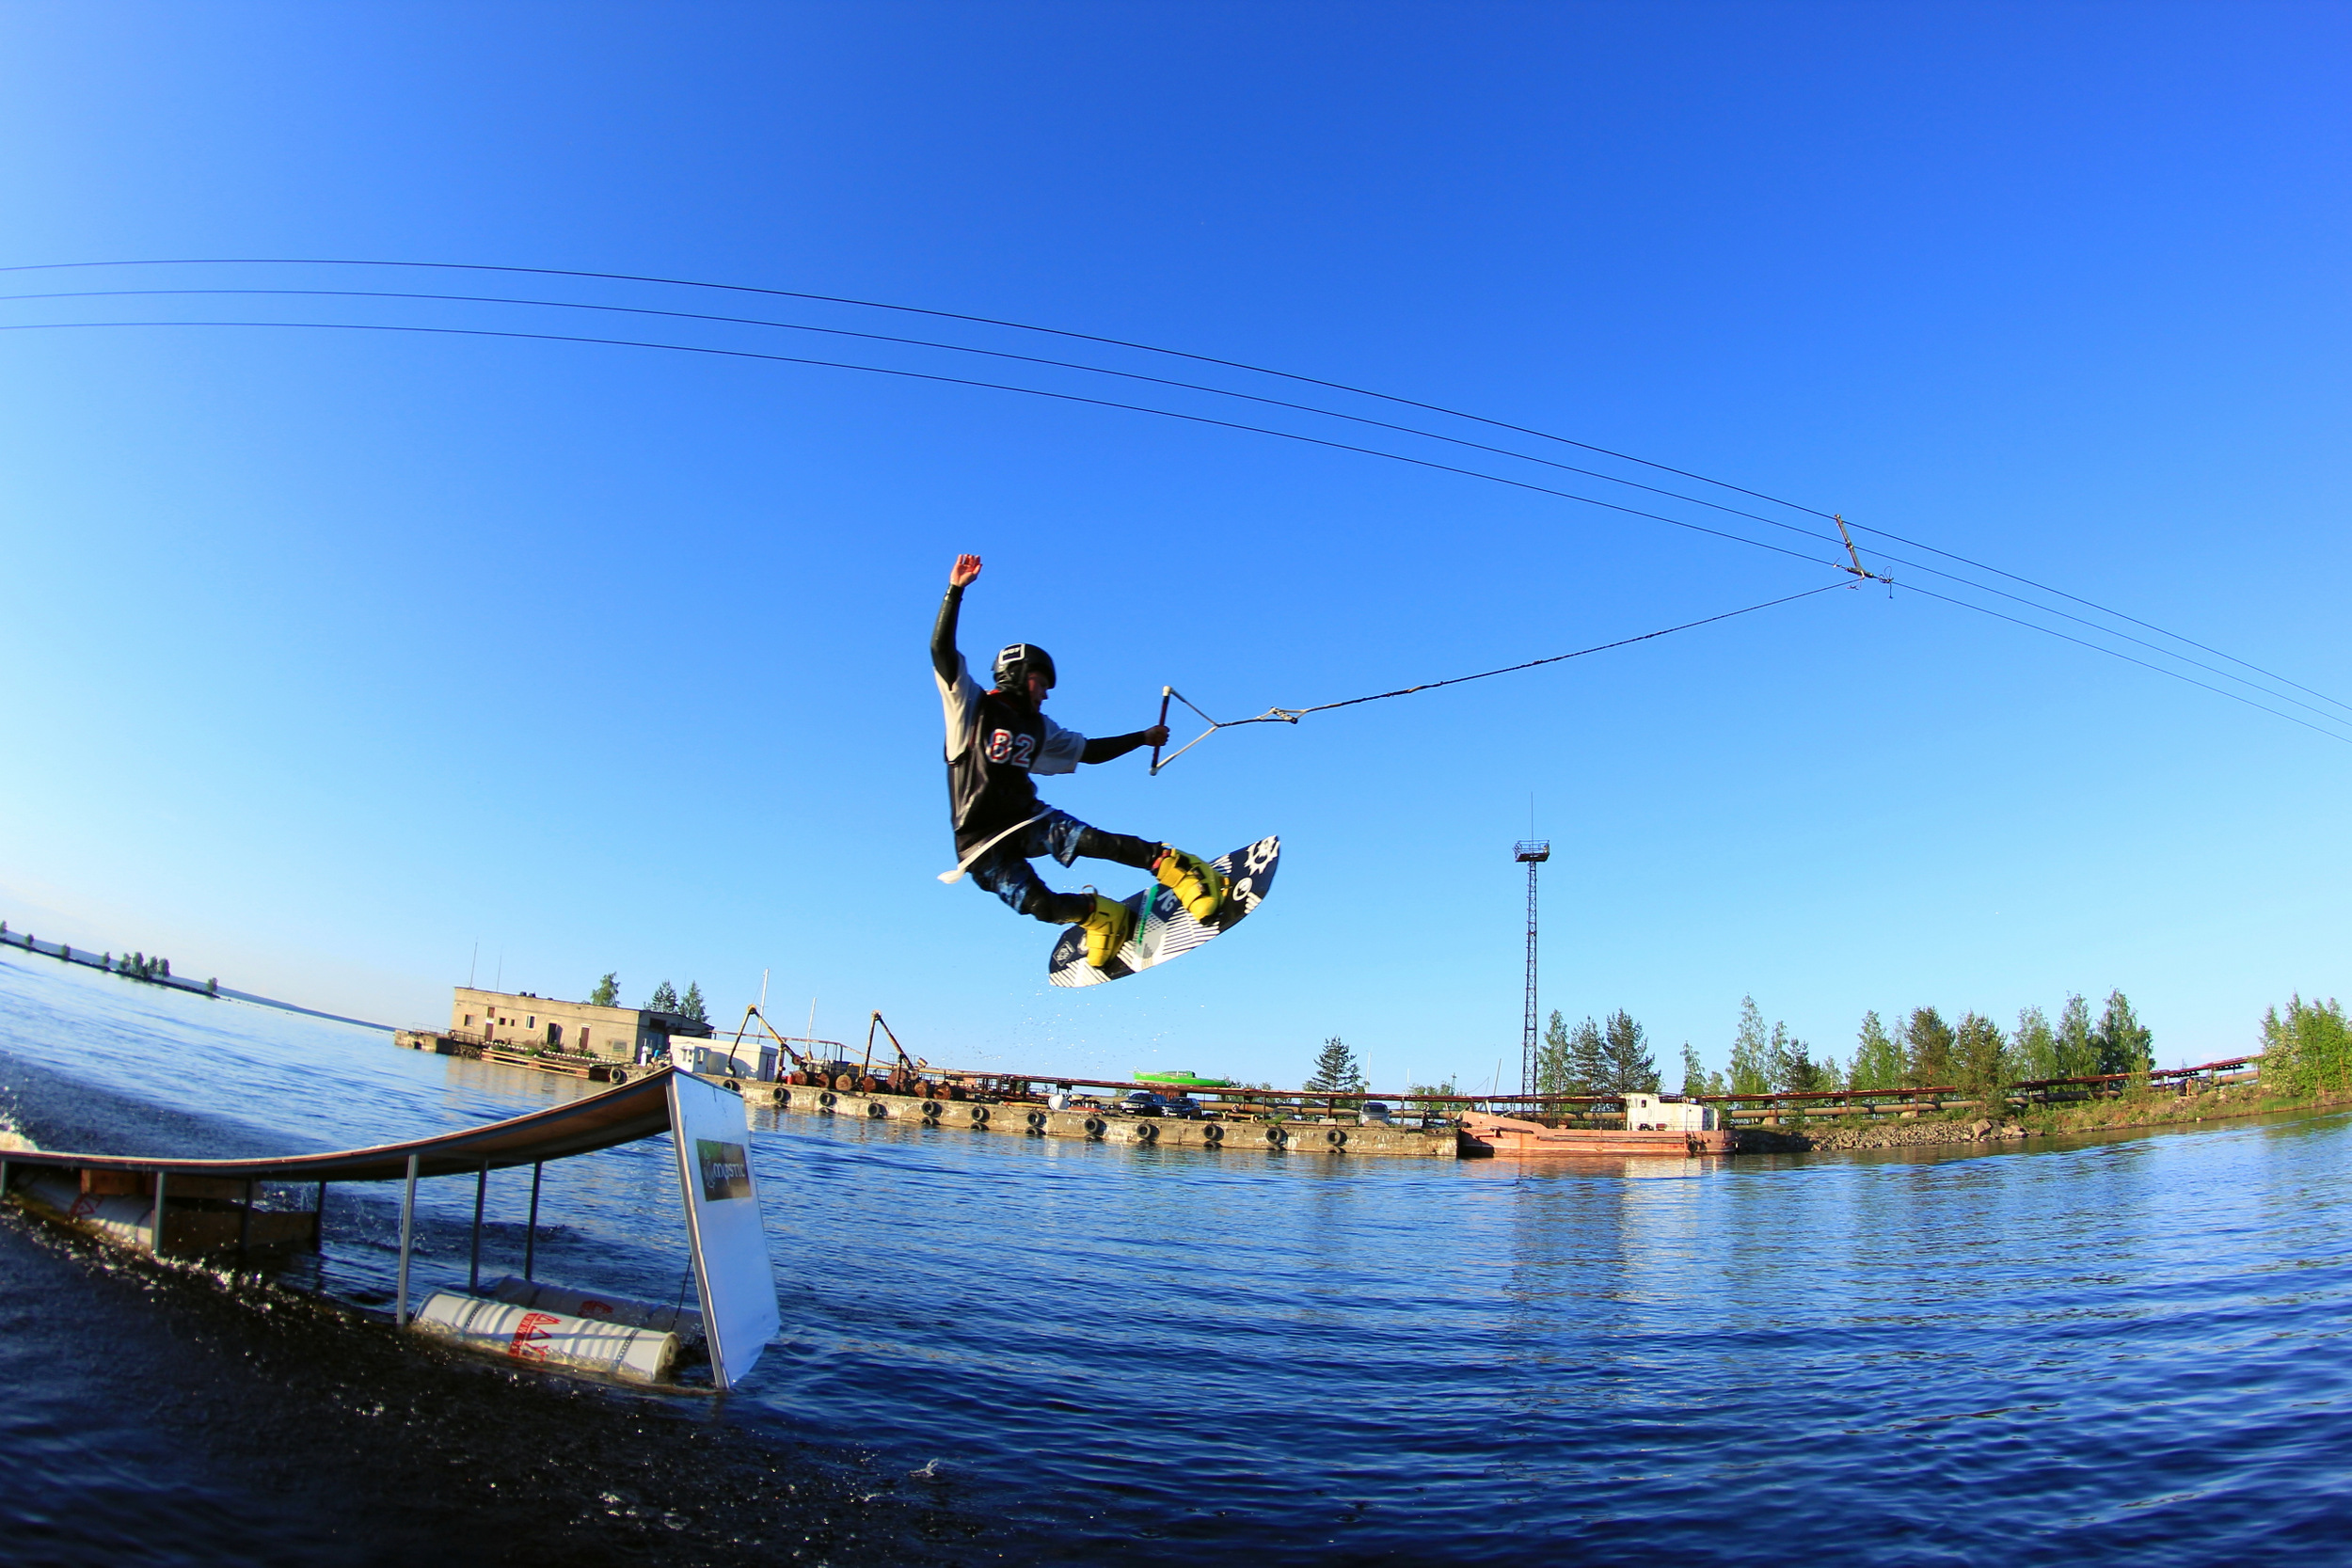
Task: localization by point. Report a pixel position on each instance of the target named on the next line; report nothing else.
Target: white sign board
(738, 1282)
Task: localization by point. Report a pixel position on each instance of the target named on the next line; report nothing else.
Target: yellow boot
(1108, 930)
(1194, 880)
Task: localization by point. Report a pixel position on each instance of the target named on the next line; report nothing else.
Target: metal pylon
(1534, 852)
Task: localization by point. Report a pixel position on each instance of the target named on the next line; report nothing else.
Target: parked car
(1181, 1104)
(1141, 1102)
(1374, 1113)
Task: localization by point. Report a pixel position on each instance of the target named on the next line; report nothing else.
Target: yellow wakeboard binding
(1107, 928)
(1194, 880)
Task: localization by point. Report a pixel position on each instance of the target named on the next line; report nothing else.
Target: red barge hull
(1517, 1137)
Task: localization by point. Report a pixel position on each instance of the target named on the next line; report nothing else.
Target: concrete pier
(1028, 1119)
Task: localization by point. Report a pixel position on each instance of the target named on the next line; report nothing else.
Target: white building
(521, 1020)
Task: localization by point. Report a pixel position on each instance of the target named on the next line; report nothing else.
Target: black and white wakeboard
(1164, 930)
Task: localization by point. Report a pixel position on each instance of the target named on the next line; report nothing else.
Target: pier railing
(1428, 1109)
(1773, 1109)
(1236, 1102)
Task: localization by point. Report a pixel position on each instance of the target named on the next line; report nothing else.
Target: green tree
(1626, 1057)
(1789, 1064)
(1878, 1061)
(1337, 1071)
(1980, 1062)
(2306, 1051)
(1928, 1048)
(2077, 1051)
(2124, 1043)
(663, 999)
(1421, 1095)
(1556, 1073)
(1588, 1059)
(1750, 1071)
(2034, 1047)
(690, 1004)
(607, 992)
(1696, 1079)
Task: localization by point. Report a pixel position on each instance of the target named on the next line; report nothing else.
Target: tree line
(665, 999)
(1609, 1057)
(1925, 1051)
(1612, 1056)
(2306, 1050)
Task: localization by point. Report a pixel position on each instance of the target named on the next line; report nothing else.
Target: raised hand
(963, 571)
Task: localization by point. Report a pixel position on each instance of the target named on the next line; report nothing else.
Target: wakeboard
(1163, 928)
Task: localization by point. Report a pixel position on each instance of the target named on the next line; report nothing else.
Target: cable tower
(1533, 851)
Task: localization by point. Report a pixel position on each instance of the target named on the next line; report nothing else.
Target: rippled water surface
(2130, 1349)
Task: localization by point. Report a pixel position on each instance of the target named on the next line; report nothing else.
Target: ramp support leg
(480, 1191)
(407, 1229)
(531, 1231)
(155, 1238)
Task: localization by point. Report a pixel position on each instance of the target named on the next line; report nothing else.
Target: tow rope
(1293, 715)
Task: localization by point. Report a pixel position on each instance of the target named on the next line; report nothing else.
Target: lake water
(2133, 1348)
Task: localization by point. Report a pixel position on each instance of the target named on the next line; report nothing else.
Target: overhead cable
(1291, 436)
(1293, 715)
(663, 281)
(946, 380)
(929, 343)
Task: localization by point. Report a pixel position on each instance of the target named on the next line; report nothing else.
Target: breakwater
(158, 971)
(1027, 1119)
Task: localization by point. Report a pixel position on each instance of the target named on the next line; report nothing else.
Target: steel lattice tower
(1533, 851)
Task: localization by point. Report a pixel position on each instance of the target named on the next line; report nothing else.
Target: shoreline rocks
(1881, 1134)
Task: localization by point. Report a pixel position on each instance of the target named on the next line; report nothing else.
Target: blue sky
(331, 655)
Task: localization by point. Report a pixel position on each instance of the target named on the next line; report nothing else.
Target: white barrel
(541, 1338)
(599, 1306)
(128, 1222)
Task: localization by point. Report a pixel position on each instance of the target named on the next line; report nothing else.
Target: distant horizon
(1667, 1057)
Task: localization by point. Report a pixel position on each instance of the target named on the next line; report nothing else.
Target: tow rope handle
(1166, 692)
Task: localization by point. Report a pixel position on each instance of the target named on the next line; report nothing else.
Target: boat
(1654, 1124)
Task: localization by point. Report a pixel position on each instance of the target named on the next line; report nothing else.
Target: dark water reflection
(2124, 1348)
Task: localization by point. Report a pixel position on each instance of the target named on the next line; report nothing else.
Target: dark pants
(1005, 870)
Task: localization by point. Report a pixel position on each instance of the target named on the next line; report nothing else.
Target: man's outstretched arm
(1103, 748)
(943, 629)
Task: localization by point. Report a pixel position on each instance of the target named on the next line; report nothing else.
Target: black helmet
(1018, 661)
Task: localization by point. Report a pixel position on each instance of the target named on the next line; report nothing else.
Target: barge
(1652, 1126)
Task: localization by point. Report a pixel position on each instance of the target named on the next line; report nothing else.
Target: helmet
(1018, 661)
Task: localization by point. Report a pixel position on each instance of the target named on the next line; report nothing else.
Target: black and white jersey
(993, 748)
